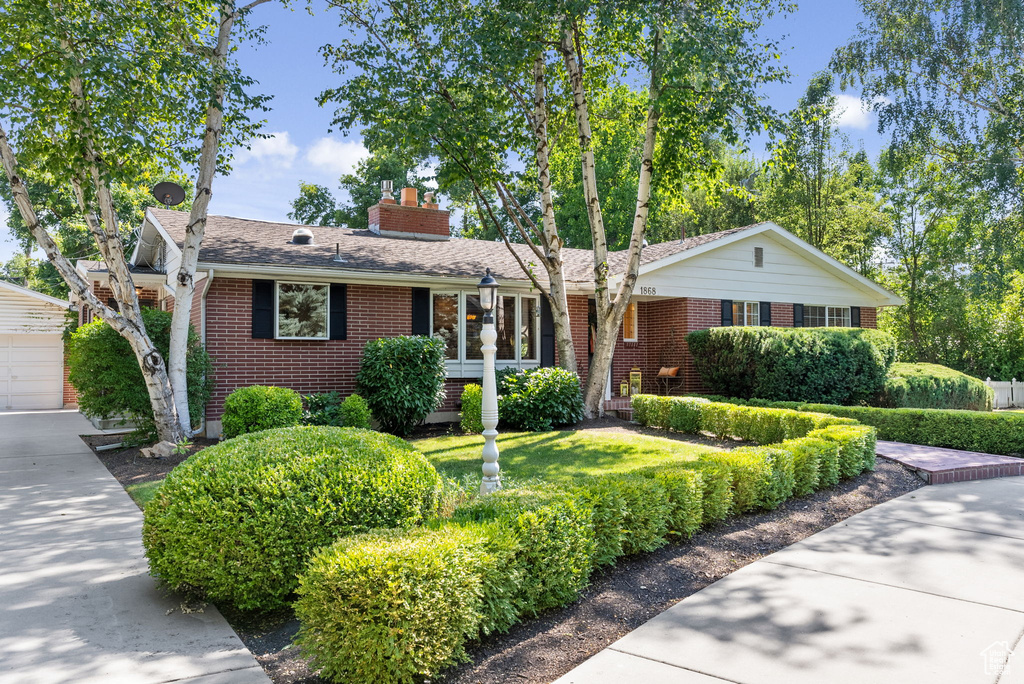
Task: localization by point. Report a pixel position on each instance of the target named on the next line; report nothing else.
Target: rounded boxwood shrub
(929, 385)
(258, 407)
(237, 521)
(399, 605)
(105, 372)
(402, 380)
(540, 399)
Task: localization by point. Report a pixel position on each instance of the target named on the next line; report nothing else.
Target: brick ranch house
(275, 306)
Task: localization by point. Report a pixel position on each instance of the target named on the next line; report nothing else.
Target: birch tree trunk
(185, 286)
(130, 327)
(610, 310)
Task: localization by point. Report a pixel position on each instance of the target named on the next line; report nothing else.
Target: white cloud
(277, 148)
(337, 156)
(852, 112)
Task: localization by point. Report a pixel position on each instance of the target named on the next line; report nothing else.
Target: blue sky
(289, 67)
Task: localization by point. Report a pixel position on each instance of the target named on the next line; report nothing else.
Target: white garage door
(31, 372)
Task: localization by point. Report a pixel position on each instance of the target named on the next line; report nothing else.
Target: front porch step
(936, 465)
(621, 406)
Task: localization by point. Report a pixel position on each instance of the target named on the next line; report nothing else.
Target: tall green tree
(482, 85)
(816, 187)
(93, 94)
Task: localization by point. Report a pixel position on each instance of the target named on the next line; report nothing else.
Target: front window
(446, 323)
(458, 319)
(302, 311)
(826, 316)
(746, 313)
(629, 323)
(815, 316)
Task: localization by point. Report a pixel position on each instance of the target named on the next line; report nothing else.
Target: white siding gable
(21, 313)
(728, 272)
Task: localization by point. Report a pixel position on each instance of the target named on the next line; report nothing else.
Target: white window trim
(828, 315)
(277, 310)
(474, 368)
(743, 309)
(636, 321)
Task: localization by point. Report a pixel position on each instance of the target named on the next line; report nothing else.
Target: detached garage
(31, 349)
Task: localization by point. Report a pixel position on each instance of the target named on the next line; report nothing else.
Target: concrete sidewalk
(76, 601)
(926, 588)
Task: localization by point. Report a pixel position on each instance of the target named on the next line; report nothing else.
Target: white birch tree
(479, 84)
(92, 92)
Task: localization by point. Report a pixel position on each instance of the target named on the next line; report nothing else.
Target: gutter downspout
(202, 325)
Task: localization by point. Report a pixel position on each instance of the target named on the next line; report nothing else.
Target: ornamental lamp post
(488, 288)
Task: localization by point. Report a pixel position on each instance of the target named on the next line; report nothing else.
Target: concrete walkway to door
(76, 601)
(925, 589)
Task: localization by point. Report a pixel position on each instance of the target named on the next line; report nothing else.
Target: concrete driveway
(76, 601)
(925, 589)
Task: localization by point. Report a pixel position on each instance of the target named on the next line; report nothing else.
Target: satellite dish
(169, 194)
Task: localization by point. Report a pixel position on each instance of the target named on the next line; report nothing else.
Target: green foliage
(237, 521)
(927, 385)
(856, 447)
(330, 409)
(556, 537)
(398, 605)
(402, 380)
(763, 425)
(258, 407)
(540, 399)
(315, 206)
(762, 477)
(815, 464)
(106, 374)
(685, 490)
(846, 365)
(982, 431)
(472, 404)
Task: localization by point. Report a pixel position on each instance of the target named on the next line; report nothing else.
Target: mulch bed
(618, 600)
(129, 466)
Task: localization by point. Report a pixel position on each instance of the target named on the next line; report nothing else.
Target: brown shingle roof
(230, 240)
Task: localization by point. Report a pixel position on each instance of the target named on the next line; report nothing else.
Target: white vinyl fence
(1008, 394)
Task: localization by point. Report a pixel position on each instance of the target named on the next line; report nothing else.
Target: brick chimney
(409, 219)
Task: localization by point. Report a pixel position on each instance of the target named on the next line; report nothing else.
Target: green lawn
(556, 455)
(143, 492)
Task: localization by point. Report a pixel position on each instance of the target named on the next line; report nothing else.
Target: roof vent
(759, 257)
(302, 236)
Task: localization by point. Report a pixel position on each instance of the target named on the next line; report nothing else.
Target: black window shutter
(421, 311)
(765, 309)
(263, 309)
(726, 312)
(547, 334)
(855, 316)
(798, 315)
(338, 322)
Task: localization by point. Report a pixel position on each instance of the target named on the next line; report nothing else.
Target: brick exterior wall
(868, 317)
(70, 398)
(782, 315)
(415, 220)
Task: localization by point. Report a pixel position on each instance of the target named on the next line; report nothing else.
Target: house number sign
(648, 290)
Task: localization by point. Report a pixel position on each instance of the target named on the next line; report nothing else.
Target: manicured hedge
(837, 365)
(556, 536)
(928, 385)
(238, 521)
(988, 432)
(539, 399)
(397, 605)
(749, 423)
(402, 380)
(472, 405)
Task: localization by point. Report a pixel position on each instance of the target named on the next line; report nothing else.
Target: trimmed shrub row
(693, 415)
(398, 606)
(981, 431)
(839, 365)
(928, 385)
